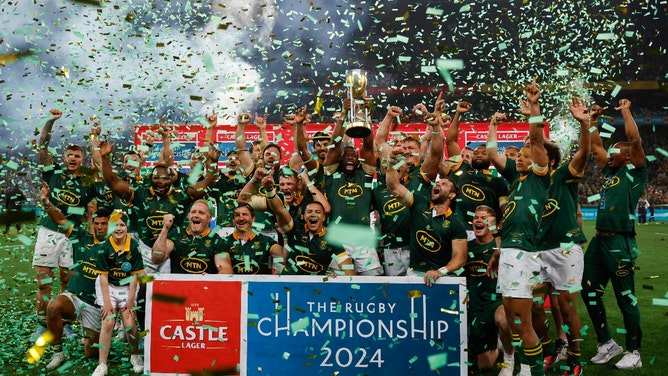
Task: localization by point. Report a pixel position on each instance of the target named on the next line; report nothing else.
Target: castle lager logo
(193, 334)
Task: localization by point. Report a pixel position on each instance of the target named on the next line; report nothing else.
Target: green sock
(573, 357)
(549, 347)
(534, 357)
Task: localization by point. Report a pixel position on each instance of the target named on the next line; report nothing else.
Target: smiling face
(442, 191)
(314, 217)
(349, 160)
(72, 159)
(233, 161)
(161, 180)
(320, 147)
(131, 164)
(120, 233)
(199, 217)
(271, 156)
(481, 222)
(288, 186)
(618, 155)
(411, 150)
(467, 154)
(524, 160)
(243, 219)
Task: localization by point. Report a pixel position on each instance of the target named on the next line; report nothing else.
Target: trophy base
(358, 129)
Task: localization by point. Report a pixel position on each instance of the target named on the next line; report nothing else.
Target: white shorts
(52, 249)
(88, 314)
(563, 268)
(365, 259)
(117, 294)
(518, 273)
(149, 267)
(397, 260)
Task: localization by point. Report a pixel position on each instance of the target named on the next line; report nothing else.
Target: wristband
(496, 234)
(443, 270)
(271, 194)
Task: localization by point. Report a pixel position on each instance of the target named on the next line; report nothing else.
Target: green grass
(17, 320)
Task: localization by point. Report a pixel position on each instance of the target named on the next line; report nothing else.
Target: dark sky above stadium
(134, 62)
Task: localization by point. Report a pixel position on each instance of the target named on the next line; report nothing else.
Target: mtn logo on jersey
(472, 192)
(427, 241)
(510, 208)
(154, 222)
(550, 207)
(246, 268)
(392, 207)
(476, 268)
(307, 265)
(66, 197)
(193, 265)
(611, 182)
(350, 190)
(88, 269)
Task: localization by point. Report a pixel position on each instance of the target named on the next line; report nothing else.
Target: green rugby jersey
(350, 197)
(559, 223)
(251, 257)
(84, 269)
(620, 193)
(524, 211)
(118, 263)
(149, 209)
(431, 236)
(309, 254)
(194, 254)
(477, 188)
(482, 289)
(69, 193)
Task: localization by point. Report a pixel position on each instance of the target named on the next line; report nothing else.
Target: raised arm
(497, 159)
(167, 153)
(538, 153)
(119, 186)
(397, 189)
(163, 247)
(261, 124)
(597, 150)
(299, 138)
(197, 189)
(335, 150)
(580, 112)
(315, 192)
(632, 133)
(387, 124)
(45, 157)
(283, 218)
(245, 159)
(434, 158)
(452, 138)
(53, 212)
(95, 132)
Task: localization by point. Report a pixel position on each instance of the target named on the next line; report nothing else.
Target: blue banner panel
(366, 326)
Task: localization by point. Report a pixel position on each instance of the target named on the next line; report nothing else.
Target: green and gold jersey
(477, 188)
(482, 289)
(432, 235)
(350, 197)
(194, 254)
(250, 257)
(524, 211)
(69, 193)
(225, 192)
(149, 209)
(309, 254)
(118, 263)
(559, 223)
(621, 191)
(84, 269)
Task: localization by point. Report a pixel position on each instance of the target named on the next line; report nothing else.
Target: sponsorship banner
(273, 325)
(190, 136)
